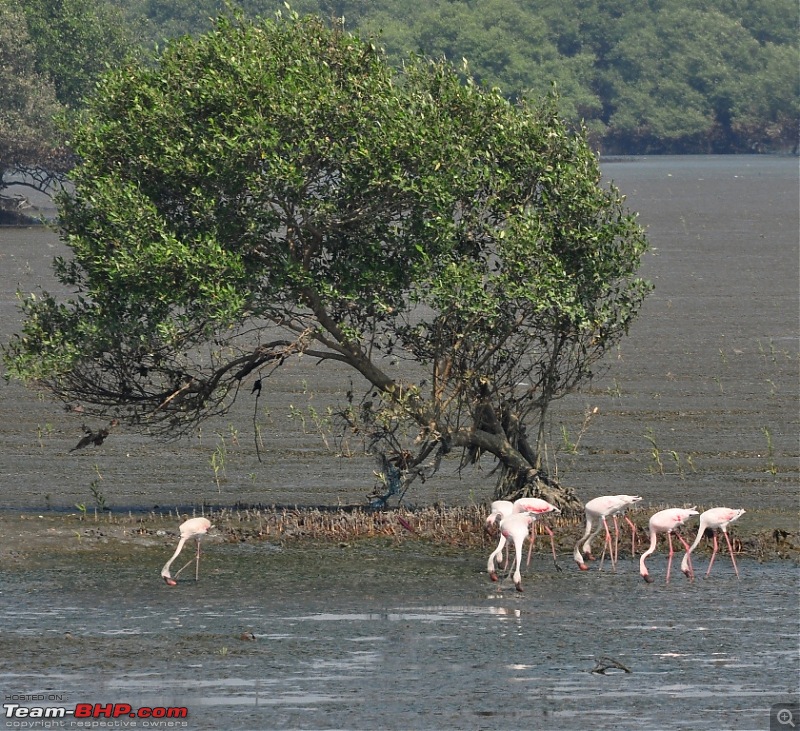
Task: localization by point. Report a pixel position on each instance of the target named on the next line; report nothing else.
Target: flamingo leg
(178, 572)
(671, 552)
(713, 554)
(686, 547)
(553, 547)
(730, 550)
(509, 565)
(197, 562)
(606, 543)
(633, 536)
(615, 557)
(530, 544)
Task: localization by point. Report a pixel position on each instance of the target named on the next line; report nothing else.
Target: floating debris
(608, 663)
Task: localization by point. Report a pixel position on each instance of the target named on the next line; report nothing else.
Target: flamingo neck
(165, 570)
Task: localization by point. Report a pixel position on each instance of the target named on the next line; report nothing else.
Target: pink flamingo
(665, 521)
(193, 528)
(597, 510)
(713, 519)
(499, 509)
(536, 507)
(517, 527)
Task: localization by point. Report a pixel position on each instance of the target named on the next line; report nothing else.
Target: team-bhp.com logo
(152, 715)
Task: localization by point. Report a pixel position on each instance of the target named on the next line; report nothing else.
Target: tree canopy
(75, 41)
(277, 188)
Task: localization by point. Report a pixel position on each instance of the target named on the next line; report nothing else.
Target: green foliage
(663, 76)
(28, 133)
(75, 41)
(52, 52)
(276, 188)
(658, 76)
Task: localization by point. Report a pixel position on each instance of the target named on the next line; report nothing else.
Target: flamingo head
(689, 514)
(170, 581)
(578, 558)
(647, 578)
(493, 576)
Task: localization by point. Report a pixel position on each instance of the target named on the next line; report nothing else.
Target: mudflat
(698, 406)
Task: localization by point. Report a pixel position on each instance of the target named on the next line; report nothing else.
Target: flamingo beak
(170, 581)
(647, 578)
(493, 576)
(583, 567)
(518, 585)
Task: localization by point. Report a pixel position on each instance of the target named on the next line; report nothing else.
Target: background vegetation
(664, 76)
(52, 53)
(657, 76)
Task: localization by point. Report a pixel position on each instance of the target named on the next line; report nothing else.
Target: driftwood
(606, 663)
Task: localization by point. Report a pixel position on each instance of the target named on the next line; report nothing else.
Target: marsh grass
(452, 528)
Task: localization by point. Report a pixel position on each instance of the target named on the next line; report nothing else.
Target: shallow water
(383, 636)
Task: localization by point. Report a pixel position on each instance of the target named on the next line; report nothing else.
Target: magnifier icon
(785, 718)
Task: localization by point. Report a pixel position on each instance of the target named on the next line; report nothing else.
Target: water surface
(412, 637)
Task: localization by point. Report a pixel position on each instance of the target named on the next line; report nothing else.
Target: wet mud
(296, 627)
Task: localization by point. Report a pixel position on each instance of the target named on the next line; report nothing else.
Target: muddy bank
(30, 538)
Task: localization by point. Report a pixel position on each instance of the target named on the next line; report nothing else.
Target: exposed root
(463, 527)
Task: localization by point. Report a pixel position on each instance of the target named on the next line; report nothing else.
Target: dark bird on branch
(96, 438)
(256, 387)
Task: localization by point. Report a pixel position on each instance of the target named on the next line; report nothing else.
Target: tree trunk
(514, 485)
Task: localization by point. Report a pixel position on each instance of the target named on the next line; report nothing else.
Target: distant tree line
(657, 76)
(645, 76)
(52, 53)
